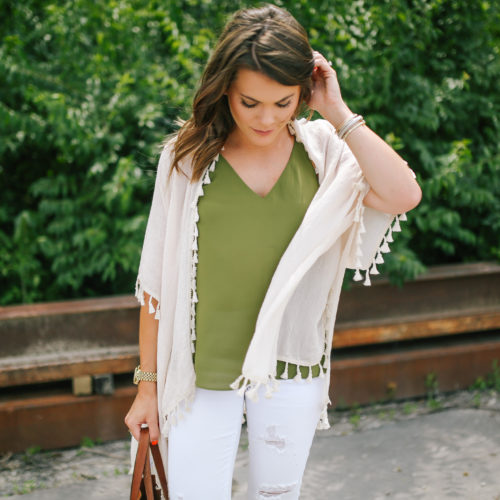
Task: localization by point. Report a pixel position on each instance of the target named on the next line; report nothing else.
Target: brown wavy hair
(267, 39)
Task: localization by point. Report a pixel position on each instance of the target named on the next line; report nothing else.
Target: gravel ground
(32, 470)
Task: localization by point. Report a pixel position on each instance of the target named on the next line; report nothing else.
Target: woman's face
(261, 107)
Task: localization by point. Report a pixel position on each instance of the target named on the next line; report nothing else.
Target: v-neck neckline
(274, 185)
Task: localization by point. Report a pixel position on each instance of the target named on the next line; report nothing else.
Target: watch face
(136, 376)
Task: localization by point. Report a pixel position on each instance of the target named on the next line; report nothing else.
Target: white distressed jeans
(202, 446)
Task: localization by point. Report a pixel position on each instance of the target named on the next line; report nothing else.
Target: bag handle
(142, 468)
(159, 468)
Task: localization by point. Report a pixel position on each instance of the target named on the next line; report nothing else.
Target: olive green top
(241, 238)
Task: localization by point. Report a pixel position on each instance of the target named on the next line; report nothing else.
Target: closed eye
(280, 105)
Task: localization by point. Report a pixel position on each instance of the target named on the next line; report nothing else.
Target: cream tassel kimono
(296, 321)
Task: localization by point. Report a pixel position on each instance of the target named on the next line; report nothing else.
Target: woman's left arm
(393, 186)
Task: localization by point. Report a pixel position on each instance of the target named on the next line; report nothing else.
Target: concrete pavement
(454, 453)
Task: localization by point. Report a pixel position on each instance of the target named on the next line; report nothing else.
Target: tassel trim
(139, 294)
(177, 413)
(194, 249)
(383, 248)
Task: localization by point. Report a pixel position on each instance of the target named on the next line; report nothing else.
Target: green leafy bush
(88, 90)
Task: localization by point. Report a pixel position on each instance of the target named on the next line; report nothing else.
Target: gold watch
(140, 375)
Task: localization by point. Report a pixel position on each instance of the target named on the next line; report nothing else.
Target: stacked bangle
(349, 126)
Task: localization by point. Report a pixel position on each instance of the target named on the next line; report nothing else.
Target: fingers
(135, 428)
(320, 62)
(154, 432)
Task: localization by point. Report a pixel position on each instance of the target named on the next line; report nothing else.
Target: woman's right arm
(144, 409)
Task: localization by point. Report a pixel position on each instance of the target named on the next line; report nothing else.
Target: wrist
(141, 374)
(337, 114)
(147, 388)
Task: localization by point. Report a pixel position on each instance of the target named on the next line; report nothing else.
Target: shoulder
(166, 160)
(319, 129)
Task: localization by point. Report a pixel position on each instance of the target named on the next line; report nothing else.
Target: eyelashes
(247, 105)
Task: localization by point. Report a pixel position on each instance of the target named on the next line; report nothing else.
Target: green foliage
(432, 388)
(88, 91)
(491, 381)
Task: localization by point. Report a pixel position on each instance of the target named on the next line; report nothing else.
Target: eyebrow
(252, 99)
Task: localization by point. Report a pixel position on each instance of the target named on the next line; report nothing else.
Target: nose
(267, 118)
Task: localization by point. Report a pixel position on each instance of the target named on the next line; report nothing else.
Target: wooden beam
(36, 369)
(402, 374)
(63, 420)
(350, 334)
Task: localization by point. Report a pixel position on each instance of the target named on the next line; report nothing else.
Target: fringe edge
(139, 294)
(194, 249)
(383, 247)
(248, 387)
(177, 413)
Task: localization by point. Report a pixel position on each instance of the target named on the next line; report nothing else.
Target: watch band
(141, 375)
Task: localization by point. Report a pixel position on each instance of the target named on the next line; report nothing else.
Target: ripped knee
(274, 440)
(276, 492)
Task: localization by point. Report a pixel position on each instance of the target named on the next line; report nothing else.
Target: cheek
(239, 112)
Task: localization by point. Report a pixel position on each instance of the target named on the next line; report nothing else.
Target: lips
(262, 132)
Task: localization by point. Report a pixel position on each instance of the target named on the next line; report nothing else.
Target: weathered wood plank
(37, 369)
(402, 374)
(63, 420)
(350, 334)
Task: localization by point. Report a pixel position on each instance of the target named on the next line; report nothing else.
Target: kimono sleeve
(149, 276)
(373, 229)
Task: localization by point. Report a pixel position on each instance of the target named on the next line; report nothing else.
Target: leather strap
(159, 469)
(142, 468)
(148, 480)
(140, 460)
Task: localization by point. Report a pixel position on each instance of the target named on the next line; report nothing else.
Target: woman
(254, 219)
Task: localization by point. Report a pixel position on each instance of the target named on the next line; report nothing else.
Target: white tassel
(195, 296)
(298, 377)
(374, 269)
(321, 372)
(367, 279)
(236, 384)
(396, 227)
(403, 217)
(323, 420)
(309, 378)
(151, 307)
(206, 179)
(284, 375)
(141, 296)
(357, 276)
(192, 348)
(157, 315)
(385, 247)
(389, 238)
(252, 394)
(362, 228)
(379, 259)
